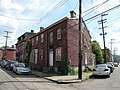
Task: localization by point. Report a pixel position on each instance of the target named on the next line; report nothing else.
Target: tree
(98, 52)
(28, 52)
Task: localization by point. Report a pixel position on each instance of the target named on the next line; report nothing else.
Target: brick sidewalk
(62, 79)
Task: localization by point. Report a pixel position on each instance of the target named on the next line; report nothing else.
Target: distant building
(22, 44)
(10, 53)
(1, 53)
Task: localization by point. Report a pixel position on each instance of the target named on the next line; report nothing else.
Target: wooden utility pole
(6, 43)
(102, 21)
(80, 48)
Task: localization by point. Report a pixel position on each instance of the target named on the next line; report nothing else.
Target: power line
(57, 6)
(94, 8)
(18, 18)
(103, 12)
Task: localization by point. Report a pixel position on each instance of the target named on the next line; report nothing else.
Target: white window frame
(59, 34)
(42, 37)
(32, 41)
(86, 58)
(36, 56)
(58, 54)
(32, 56)
(36, 40)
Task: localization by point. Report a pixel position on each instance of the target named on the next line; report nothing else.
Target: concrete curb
(62, 79)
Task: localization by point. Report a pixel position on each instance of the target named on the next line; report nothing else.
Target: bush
(63, 67)
(72, 71)
(86, 70)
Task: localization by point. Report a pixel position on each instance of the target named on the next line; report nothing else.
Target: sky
(20, 16)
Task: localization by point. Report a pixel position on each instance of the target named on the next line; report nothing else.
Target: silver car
(21, 68)
(101, 69)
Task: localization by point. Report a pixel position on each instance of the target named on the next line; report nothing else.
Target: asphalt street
(11, 81)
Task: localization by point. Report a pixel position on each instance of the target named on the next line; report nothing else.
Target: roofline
(52, 25)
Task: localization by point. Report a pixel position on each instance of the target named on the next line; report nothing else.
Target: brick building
(21, 45)
(60, 41)
(10, 53)
(1, 53)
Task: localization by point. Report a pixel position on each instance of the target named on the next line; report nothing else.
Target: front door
(51, 58)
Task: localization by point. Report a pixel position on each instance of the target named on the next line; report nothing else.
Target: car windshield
(108, 64)
(100, 66)
(22, 65)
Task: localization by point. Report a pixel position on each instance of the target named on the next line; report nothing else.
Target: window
(41, 54)
(42, 37)
(58, 54)
(51, 37)
(36, 56)
(86, 58)
(59, 34)
(32, 56)
(32, 41)
(36, 40)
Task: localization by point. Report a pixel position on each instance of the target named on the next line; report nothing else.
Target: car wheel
(16, 72)
(108, 76)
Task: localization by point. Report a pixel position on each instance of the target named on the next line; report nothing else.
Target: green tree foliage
(107, 55)
(98, 52)
(28, 51)
(63, 67)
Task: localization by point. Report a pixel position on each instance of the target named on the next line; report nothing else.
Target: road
(101, 83)
(11, 81)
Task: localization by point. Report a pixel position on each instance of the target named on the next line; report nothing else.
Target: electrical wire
(56, 7)
(103, 12)
(95, 7)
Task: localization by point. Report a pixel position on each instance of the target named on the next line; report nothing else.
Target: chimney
(72, 14)
(41, 28)
(32, 31)
(12, 46)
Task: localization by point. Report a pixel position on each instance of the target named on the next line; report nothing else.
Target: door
(51, 58)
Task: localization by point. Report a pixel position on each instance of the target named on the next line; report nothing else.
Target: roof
(52, 25)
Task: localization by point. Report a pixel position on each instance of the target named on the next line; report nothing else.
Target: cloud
(9, 7)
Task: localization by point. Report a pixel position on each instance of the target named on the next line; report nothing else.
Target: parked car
(4, 62)
(21, 68)
(101, 69)
(115, 64)
(10, 64)
(111, 66)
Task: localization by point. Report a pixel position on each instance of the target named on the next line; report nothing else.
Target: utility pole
(102, 21)
(6, 43)
(111, 48)
(80, 48)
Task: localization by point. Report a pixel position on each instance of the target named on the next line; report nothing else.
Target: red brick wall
(40, 46)
(1, 53)
(59, 43)
(11, 55)
(73, 42)
(86, 46)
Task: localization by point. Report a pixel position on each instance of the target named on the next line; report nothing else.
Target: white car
(101, 69)
(21, 68)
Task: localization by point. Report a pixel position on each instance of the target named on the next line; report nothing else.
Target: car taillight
(106, 70)
(94, 70)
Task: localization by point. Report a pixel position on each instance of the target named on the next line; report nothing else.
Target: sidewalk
(62, 79)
